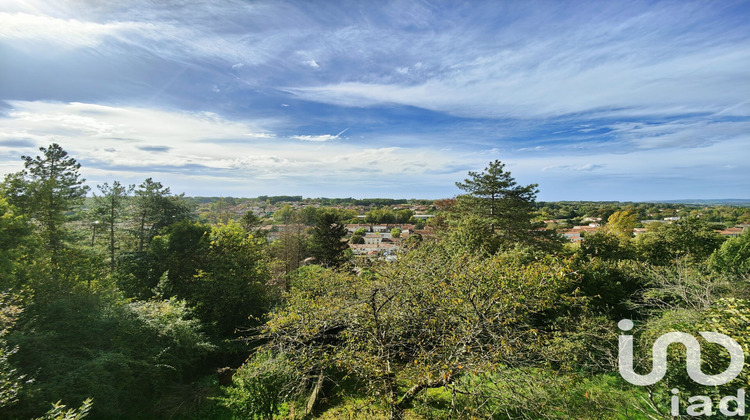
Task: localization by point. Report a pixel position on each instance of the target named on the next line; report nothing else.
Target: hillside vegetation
(131, 301)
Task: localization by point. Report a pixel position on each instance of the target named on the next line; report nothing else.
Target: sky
(591, 100)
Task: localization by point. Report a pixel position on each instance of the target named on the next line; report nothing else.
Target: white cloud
(72, 32)
(633, 63)
(588, 167)
(164, 38)
(689, 132)
(517, 66)
(312, 63)
(199, 153)
(532, 149)
(100, 122)
(561, 87)
(320, 138)
(117, 142)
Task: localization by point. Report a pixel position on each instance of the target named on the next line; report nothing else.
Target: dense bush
(92, 345)
(262, 387)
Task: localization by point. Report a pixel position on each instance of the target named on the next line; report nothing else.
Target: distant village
(384, 239)
(578, 233)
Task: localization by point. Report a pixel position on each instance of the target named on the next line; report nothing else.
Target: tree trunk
(314, 396)
(408, 397)
(112, 237)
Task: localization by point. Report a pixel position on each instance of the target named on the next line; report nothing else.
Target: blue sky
(597, 100)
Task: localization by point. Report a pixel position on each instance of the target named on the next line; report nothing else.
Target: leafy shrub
(91, 344)
(262, 387)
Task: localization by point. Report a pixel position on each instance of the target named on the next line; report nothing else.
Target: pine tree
(156, 208)
(495, 200)
(47, 189)
(110, 207)
(327, 245)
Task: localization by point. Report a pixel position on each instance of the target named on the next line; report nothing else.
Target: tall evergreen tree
(156, 208)
(47, 189)
(110, 207)
(504, 207)
(327, 245)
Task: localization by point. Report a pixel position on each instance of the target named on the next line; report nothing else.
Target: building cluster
(577, 234)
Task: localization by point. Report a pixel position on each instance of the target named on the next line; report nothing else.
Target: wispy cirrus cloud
(70, 32)
(683, 132)
(45, 120)
(588, 167)
(247, 91)
(322, 137)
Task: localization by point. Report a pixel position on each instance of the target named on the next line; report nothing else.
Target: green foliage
(530, 393)
(219, 270)
(285, 215)
(155, 209)
(262, 387)
(733, 256)
(136, 275)
(251, 222)
(327, 242)
(288, 252)
(11, 381)
(422, 321)
(612, 285)
(180, 253)
(622, 223)
(109, 209)
(61, 412)
(388, 216)
(14, 240)
(230, 291)
(168, 325)
(606, 245)
(280, 198)
(505, 208)
(664, 242)
(413, 240)
(357, 239)
(471, 233)
(91, 344)
(46, 190)
(728, 316)
(686, 285)
(481, 323)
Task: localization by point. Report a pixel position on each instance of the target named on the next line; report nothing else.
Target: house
(592, 219)
(731, 232)
(374, 249)
(353, 227)
(376, 238)
(577, 233)
(573, 236)
(373, 238)
(555, 221)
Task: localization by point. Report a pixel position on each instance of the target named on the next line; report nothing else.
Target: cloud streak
(322, 137)
(251, 92)
(129, 144)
